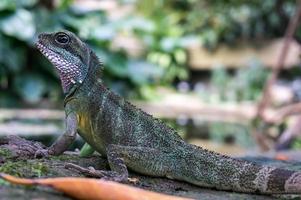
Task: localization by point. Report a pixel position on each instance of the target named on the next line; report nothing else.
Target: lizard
(131, 139)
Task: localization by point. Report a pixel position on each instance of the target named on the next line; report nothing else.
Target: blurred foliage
(25, 75)
(296, 144)
(246, 84)
(215, 21)
(164, 28)
(223, 132)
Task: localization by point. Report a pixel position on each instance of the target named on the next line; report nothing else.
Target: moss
(13, 168)
(3, 182)
(39, 169)
(5, 153)
(24, 169)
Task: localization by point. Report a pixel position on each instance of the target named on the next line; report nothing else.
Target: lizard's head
(69, 55)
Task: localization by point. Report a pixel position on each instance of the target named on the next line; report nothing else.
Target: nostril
(43, 35)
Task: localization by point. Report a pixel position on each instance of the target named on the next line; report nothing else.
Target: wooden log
(239, 55)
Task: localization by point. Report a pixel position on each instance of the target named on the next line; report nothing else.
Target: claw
(133, 180)
(90, 171)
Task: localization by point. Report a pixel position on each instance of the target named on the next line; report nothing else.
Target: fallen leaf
(90, 188)
(281, 157)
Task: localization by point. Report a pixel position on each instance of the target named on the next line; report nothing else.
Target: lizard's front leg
(28, 149)
(62, 143)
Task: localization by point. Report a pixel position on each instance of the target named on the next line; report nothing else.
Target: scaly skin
(132, 139)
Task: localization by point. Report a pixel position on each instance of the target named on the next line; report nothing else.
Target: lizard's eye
(62, 38)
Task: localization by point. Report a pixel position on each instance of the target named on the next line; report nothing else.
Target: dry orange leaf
(280, 156)
(90, 188)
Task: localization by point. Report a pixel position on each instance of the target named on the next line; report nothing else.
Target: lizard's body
(130, 138)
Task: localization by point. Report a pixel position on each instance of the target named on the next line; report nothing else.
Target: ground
(13, 163)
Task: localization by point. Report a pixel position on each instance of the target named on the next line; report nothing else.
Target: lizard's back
(106, 118)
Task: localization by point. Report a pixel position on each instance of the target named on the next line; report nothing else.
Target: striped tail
(208, 169)
(271, 180)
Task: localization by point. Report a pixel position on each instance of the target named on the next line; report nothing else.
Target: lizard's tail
(209, 169)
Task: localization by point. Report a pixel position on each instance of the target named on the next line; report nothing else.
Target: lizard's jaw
(68, 72)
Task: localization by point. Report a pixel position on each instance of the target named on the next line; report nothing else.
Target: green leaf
(13, 4)
(148, 92)
(64, 3)
(180, 56)
(169, 43)
(102, 33)
(25, 3)
(141, 72)
(86, 150)
(83, 24)
(19, 25)
(137, 23)
(7, 5)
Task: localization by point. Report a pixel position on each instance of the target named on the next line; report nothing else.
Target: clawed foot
(23, 148)
(133, 180)
(91, 172)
